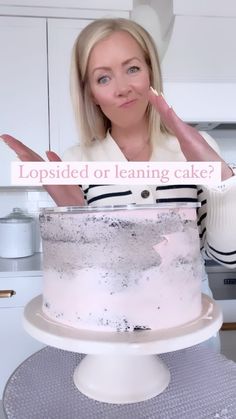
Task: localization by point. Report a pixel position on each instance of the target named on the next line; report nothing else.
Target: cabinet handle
(7, 293)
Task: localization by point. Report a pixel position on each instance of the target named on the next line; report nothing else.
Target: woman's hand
(193, 145)
(63, 195)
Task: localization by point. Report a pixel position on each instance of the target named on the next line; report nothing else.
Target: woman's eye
(133, 69)
(103, 80)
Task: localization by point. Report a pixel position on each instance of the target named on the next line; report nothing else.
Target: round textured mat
(203, 385)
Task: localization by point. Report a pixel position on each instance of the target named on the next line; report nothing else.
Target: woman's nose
(122, 87)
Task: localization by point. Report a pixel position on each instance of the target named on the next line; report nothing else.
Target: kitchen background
(199, 71)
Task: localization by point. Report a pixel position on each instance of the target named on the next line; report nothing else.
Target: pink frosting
(123, 277)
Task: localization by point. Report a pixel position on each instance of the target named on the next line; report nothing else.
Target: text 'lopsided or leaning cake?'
(121, 269)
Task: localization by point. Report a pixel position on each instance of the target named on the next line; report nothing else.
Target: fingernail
(154, 91)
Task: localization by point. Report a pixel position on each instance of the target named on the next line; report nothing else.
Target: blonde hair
(91, 121)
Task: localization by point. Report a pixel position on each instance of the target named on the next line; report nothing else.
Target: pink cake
(121, 268)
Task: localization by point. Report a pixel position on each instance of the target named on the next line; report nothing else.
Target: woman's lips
(128, 103)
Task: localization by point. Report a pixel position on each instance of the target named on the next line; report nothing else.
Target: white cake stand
(122, 367)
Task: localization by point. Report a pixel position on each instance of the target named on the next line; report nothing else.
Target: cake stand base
(122, 367)
(121, 378)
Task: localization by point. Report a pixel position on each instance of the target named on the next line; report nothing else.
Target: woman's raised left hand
(192, 143)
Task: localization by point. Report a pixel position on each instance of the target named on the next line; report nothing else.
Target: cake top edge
(108, 208)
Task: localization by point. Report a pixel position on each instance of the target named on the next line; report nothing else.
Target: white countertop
(28, 266)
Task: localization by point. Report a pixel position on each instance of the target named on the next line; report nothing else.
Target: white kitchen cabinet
(88, 9)
(205, 8)
(61, 36)
(23, 86)
(16, 344)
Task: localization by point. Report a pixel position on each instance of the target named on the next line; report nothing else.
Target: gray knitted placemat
(203, 385)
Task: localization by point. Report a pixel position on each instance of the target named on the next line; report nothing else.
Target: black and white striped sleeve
(217, 222)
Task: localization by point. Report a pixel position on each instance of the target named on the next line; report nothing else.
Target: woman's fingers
(64, 195)
(23, 152)
(52, 156)
(167, 114)
(158, 101)
(192, 143)
(178, 127)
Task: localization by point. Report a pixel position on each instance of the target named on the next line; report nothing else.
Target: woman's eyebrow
(123, 64)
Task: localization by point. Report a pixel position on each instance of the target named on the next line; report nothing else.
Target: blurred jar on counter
(17, 235)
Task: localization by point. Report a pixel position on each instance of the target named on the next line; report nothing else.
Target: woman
(121, 118)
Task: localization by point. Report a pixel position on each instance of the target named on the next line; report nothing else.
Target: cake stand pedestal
(122, 367)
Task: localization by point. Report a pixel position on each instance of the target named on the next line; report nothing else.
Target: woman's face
(119, 79)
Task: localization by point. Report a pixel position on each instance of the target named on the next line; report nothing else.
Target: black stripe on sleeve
(108, 195)
(158, 188)
(225, 262)
(222, 253)
(163, 200)
(201, 218)
(92, 186)
(202, 233)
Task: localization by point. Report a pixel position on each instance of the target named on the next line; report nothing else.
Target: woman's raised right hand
(63, 195)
